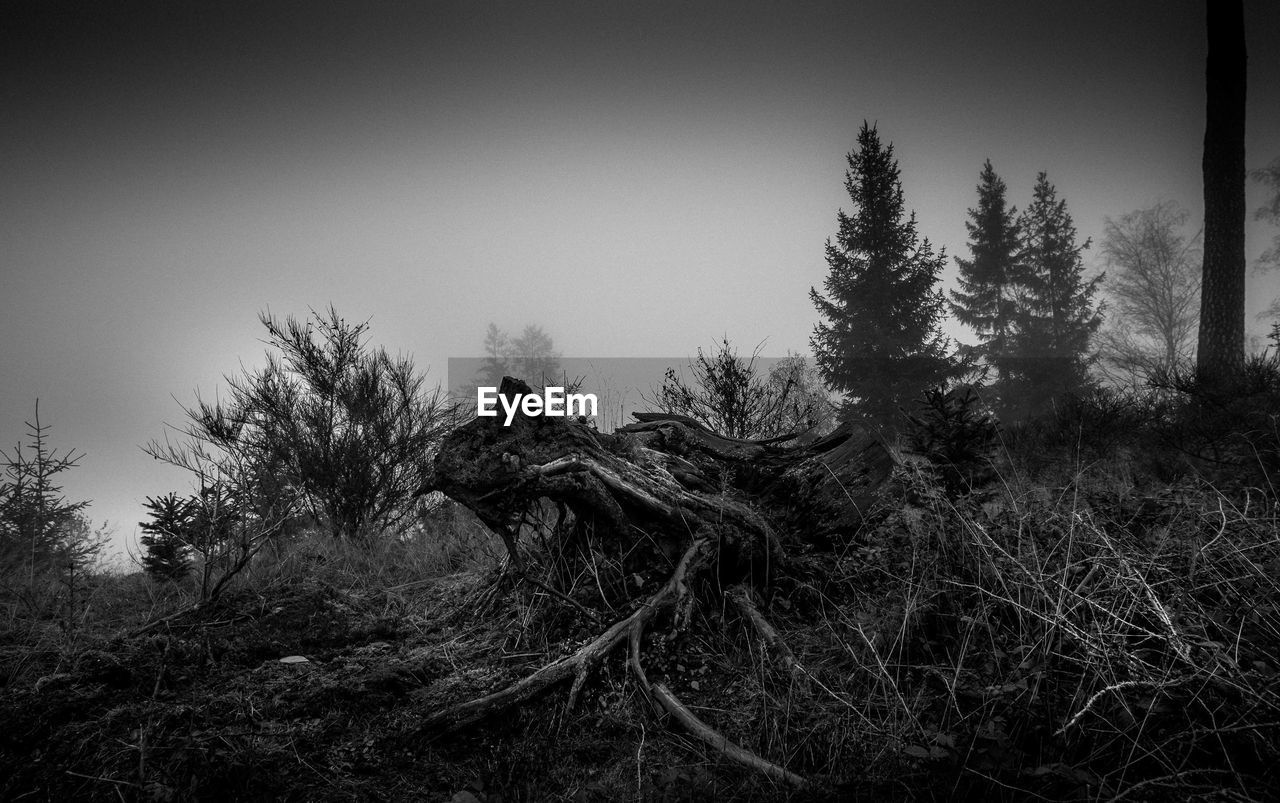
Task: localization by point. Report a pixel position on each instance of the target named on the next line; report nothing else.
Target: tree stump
(678, 499)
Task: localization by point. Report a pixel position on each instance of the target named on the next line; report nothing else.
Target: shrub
(347, 433)
(951, 429)
(1229, 434)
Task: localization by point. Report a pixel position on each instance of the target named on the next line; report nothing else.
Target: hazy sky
(638, 177)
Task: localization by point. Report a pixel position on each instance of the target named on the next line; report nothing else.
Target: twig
(595, 617)
(1124, 684)
(100, 778)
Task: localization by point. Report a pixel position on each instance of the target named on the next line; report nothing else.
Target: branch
(742, 599)
(579, 664)
(715, 739)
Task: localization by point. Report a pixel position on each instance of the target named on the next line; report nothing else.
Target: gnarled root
(579, 664)
(667, 701)
(744, 601)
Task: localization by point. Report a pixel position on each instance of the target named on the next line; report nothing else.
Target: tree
(729, 395)
(497, 350)
(36, 519)
(531, 357)
(73, 559)
(1154, 280)
(347, 431)
(237, 508)
(683, 513)
(880, 341)
(1220, 356)
(804, 403)
(985, 300)
(166, 538)
(43, 535)
(1056, 318)
(534, 357)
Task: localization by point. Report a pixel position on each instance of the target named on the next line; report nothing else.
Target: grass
(1082, 633)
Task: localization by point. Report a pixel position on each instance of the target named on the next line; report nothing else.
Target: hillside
(1072, 643)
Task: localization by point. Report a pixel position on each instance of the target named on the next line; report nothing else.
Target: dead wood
(661, 488)
(666, 701)
(742, 598)
(672, 705)
(666, 475)
(579, 664)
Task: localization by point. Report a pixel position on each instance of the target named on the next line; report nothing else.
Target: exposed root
(668, 702)
(672, 705)
(742, 598)
(578, 665)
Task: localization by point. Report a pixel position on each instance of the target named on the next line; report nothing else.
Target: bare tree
(804, 404)
(1153, 277)
(534, 356)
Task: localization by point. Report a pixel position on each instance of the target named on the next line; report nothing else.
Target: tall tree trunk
(1221, 347)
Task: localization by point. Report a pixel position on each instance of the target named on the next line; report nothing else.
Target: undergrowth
(1075, 629)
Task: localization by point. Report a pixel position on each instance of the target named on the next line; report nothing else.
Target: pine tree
(36, 520)
(534, 356)
(1056, 318)
(166, 537)
(985, 300)
(880, 342)
(497, 350)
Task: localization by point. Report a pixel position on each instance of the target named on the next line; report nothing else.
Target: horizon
(638, 180)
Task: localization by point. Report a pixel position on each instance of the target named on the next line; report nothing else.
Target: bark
(671, 496)
(1221, 341)
(664, 478)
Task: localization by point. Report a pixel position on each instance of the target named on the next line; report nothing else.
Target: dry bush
(1040, 644)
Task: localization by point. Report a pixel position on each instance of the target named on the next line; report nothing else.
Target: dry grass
(1035, 644)
(1081, 640)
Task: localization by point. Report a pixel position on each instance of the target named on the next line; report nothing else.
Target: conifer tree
(1056, 317)
(497, 349)
(534, 356)
(880, 341)
(166, 537)
(36, 520)
(986, 300)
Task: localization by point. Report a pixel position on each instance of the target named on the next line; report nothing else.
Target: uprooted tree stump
(667, 495)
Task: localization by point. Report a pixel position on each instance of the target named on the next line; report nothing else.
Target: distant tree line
(532, 357)
(1023, 290)
(343, 435)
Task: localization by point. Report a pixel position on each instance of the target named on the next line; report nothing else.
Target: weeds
(1094, 637)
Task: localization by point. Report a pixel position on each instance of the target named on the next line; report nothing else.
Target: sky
(639, 178)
